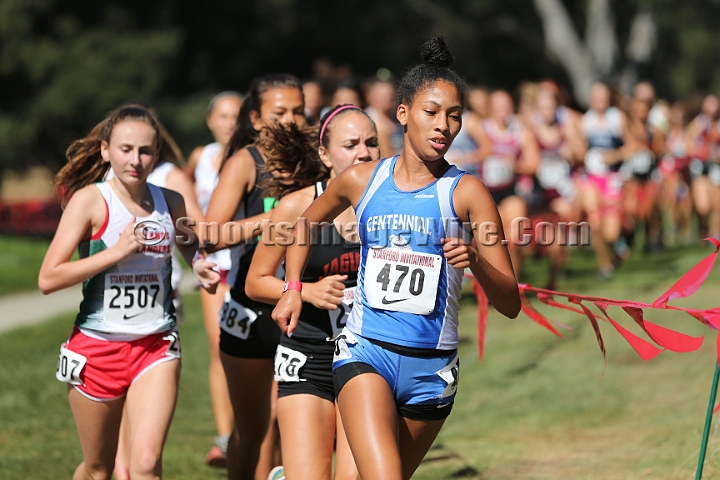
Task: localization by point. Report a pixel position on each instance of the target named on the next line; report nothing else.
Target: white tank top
(206, 179)
(132, 297)
(159, 177)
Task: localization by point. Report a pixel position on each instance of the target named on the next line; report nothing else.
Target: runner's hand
(205, 274)
(287, 311)
(127, 243)
(458, 254)
(327, 293)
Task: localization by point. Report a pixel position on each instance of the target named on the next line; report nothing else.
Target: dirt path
(30, 308)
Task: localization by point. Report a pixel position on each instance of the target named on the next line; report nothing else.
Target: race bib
(402, 280)
(173, 348)
(595, 162)
(497, 171)
(342, 351)
(235, 319)
(338, 318)
(641, 162)
(714, 173)
(451, 375)
(69, 367)
(134, 298)
(288, 363)
(552, 172)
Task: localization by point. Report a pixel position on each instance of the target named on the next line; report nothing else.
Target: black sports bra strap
(259, 161)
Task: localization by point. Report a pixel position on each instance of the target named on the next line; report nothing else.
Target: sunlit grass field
(20, 260)
(537, 407)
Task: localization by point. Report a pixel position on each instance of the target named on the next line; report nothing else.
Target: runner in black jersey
(248, 337)
(303, 363)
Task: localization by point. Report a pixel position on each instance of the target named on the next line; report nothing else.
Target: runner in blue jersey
(395, 366)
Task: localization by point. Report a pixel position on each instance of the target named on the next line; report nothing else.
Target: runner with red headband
(303, 363)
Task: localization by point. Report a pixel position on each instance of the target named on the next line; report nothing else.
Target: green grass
(20, 260)
(538, 407)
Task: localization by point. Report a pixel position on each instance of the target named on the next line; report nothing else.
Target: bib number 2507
(402, 280)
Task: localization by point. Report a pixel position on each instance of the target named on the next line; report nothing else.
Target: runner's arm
(345, 191)
(236, 179)
(83, 217)
(262, 285)
(202, 268)
(487, 257)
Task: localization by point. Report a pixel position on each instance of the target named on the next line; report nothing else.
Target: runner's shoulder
(359, 174)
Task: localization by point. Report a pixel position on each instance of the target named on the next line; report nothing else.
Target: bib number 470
(417, 279)
(402, 280)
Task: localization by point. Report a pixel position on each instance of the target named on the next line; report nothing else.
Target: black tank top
(255, 203)
(331, 255)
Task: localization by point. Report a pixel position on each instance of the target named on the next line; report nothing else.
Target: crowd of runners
(347, 350)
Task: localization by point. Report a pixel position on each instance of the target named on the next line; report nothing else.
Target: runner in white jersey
(396, 364)
(203, 167)
(168, 174)
(605, 128)
(703, 141)
(509, 158)
(561, 145)
(124, 350)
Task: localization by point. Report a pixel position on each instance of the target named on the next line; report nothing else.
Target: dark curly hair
(436, 60)
(291, 156)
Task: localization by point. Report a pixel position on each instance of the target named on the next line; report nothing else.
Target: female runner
(124, 349)
(395, 363)
(674, 198)
(248, 336)
(167, 173)
(509, 157)
(605, 129)
(645, 143)
(203, 167)
(561, 145)
(703, 140)
(303, 363)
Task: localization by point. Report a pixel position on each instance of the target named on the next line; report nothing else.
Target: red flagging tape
(665, 338)
(483, 306)
(645, 349)
(536, 316)
(692, 280)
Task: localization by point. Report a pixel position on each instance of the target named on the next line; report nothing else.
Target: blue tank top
(407, 294)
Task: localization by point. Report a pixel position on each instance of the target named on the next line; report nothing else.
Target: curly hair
(291, 158)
